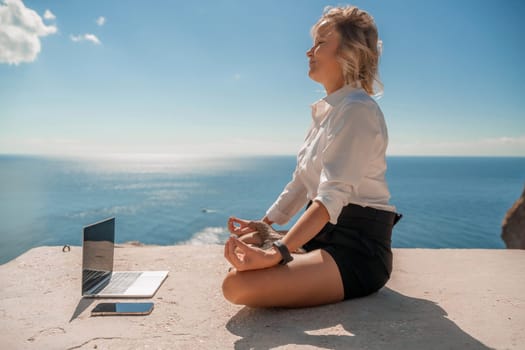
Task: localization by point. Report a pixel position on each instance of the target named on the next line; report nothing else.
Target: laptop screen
(97, 253)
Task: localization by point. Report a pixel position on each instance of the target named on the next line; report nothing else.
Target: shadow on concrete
(385, 320)
(82, 305)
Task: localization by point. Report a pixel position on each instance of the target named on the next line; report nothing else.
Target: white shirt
(342, 159)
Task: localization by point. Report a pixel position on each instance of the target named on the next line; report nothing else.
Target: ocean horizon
(447, 202)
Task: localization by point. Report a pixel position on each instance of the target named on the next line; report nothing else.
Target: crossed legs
(310, 279)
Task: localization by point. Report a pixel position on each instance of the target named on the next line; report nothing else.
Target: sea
(446, 202)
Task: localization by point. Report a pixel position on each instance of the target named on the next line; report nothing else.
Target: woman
(346, 228)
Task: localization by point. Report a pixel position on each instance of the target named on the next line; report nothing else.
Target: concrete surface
(436, 299)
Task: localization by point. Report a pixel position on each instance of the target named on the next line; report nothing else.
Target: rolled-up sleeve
(353, 139)
(290, 201)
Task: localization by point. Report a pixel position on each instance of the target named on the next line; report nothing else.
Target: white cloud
(49, 15)
(199, 146)
(493, 146)
(92, 38)
(86, 37)
(504, 140)
(20, 32)
(101, 20)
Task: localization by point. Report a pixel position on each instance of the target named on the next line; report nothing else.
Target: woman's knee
(233, 288)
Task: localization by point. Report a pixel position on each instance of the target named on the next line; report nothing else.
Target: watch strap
(283, 250)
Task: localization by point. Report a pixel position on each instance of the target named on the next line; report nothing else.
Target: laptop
(98, 278)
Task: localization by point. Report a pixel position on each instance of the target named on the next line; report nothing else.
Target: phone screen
(105, 309)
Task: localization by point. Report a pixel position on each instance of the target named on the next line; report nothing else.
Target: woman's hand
(239, 227)
(245, 230)
(244, 257)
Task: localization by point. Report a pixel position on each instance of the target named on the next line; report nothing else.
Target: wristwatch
(283, 250)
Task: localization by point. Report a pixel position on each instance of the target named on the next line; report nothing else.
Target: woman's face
(324, 67)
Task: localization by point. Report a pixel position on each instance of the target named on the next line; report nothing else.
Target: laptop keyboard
(120, 282)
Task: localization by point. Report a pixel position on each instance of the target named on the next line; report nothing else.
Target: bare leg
(310, 279)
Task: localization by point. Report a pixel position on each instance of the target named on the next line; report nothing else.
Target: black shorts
(360, 244)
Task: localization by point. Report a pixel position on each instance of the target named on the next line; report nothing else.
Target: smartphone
(110, 309)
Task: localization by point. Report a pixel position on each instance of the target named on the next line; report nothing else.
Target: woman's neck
(334, 85)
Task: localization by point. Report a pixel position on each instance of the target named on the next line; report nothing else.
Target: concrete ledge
(436, 299)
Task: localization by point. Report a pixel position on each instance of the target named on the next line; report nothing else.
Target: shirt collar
(321, 107)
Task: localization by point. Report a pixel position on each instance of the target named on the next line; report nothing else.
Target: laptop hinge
(99, 286)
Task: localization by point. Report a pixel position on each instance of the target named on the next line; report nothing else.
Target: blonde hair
(359, 49)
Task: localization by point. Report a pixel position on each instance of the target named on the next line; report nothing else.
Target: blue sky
(230, 77)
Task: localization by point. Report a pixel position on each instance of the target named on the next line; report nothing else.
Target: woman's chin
(312, 74)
